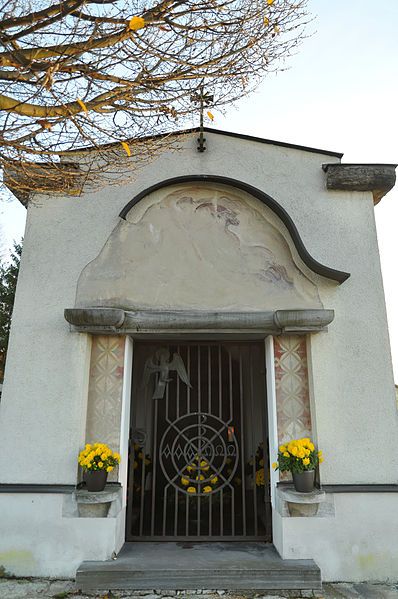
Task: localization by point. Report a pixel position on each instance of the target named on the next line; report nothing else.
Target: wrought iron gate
(198, 463)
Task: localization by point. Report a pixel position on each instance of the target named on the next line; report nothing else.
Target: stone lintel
(109, 320)
(377, 178)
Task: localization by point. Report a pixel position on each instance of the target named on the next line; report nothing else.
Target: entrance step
(180, 566)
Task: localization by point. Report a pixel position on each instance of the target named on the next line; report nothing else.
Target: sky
(339, 92)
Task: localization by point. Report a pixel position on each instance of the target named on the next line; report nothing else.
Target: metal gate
(198, 463)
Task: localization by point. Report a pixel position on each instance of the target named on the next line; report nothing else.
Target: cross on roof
(203, 99)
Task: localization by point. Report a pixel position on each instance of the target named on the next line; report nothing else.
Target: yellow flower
(184, 481)
(207, 489)
(260, 477)
(116, 456)
(100, 464)
(321, 460)
(286, 454)
(214, 480)
(190, 468)
(306, 461)
(270, 2)
(275, 465)
(282, 448)
(109, 469)
(294, 451)
(311, 446)
(301, 453)
(103, 456)
(319, 454)
(191, 490)
(200, 477)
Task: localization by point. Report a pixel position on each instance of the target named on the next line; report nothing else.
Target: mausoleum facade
(250, 274)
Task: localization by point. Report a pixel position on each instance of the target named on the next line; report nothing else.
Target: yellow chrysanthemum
(184, 481)
(109, 469)
(207, 489)
(191, 490)
(286, 454)
(282, 448)
(306, 461)
(214, 480)
(260, 480)
(100, 464)
(200, 477)
(311, 446)
(275, 465)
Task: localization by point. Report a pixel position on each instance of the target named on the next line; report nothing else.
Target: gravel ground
(22, 588)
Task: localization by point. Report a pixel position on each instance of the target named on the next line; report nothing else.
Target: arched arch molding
(314, 265)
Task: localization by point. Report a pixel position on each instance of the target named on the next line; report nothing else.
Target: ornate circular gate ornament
(196, 447)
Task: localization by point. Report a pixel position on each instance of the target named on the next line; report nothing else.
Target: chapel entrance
(198, 463)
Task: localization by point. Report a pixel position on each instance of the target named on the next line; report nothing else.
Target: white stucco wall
(358, 543)
(43, 407)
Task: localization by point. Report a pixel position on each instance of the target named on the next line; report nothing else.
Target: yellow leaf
(82, 104)
(136, 23)
(269, 2)
(126, 148)
(210, 115)
(276, 29)
(266, 21)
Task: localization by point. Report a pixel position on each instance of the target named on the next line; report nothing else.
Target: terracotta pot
(304, 481)
(95, 480)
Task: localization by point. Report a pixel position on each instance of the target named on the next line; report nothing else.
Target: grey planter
(304, 481)
(95, 480)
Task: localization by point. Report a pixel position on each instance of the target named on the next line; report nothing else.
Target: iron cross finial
(203, 99)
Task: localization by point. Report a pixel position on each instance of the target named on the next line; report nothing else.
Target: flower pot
(95, 479)
(304, 481)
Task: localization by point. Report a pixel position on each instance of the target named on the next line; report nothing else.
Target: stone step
(184, 566)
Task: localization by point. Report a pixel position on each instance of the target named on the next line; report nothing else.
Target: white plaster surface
(201, 246)
(359, 543)
(36, 540)
(43, 407)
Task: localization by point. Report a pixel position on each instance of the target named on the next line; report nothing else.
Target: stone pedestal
(94, 504)
(302, 504)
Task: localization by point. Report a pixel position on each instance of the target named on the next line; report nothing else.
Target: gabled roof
(263, 140)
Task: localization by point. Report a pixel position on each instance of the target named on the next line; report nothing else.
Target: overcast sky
(340, 93)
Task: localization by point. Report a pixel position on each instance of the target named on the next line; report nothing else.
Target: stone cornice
(118, 321)
(377, 178)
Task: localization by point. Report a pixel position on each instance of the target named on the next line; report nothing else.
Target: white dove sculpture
(160, 363)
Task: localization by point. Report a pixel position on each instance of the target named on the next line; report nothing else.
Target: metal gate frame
(135, 449)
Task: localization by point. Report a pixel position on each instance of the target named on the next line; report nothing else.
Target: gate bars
(198, 464)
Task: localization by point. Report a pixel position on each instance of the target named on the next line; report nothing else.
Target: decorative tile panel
(105, 390)
(291, 380)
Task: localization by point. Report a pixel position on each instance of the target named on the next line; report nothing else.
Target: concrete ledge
(94, 504)
(302, 505)
(99, 320)
(377, 178)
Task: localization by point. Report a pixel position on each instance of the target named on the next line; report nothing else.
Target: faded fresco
(198, 246)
